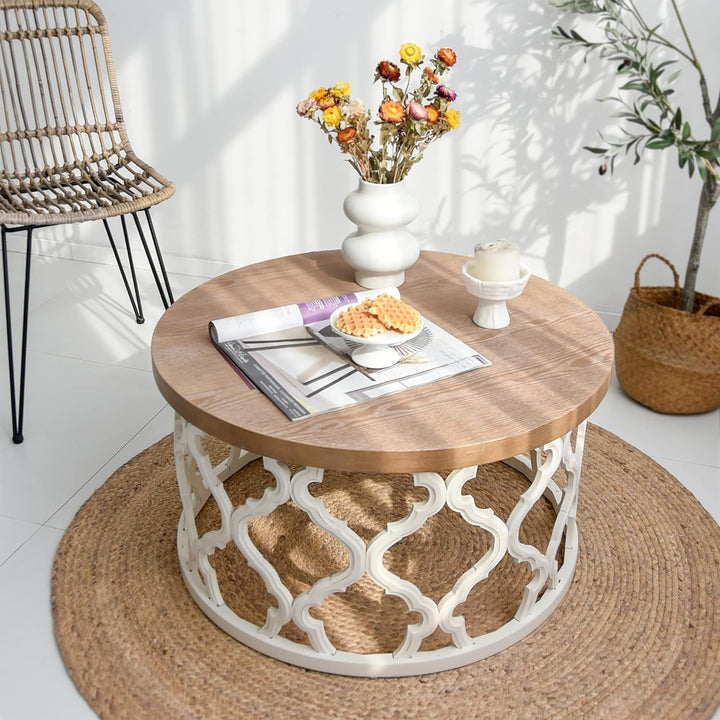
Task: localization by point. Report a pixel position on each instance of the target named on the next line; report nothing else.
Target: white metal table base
(198, 480)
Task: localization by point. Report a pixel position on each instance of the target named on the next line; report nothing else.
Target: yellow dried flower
(332, 116)
(410, 53)
(340, 89)
(319, 93)
(452, 117)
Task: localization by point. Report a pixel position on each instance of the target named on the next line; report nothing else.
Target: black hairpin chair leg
(17, 390)
(163, 284)
(165, 292)
(134, 292)
(17, 393)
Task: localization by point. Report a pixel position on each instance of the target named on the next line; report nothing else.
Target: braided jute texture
(637, 636)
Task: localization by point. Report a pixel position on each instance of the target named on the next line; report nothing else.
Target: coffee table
(550, 369)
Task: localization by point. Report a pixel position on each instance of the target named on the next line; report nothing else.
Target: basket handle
(676, 277)
(704, 308)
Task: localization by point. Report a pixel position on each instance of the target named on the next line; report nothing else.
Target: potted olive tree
(667, 343)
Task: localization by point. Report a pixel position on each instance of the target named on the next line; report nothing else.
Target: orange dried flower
(431, 74)
(346, 135)
(388, 70)
(326, 102)
(317, 94)
(433, 114)
(392, 111)
(447, 56)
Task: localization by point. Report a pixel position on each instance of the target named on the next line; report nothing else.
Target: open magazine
(292, 355)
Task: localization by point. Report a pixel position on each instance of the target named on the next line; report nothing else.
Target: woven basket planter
(667, 359)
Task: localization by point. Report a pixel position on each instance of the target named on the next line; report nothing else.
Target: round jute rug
(637, 636)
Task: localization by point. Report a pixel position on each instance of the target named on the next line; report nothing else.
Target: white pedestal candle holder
(492, 295)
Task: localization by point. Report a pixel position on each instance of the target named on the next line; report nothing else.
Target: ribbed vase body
(381, 248)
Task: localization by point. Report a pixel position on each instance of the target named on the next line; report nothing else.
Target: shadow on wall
(533, 108)
(209, 90)
(242, 161)
(522, 155)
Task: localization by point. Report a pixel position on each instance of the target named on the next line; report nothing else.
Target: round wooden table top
(550, 369)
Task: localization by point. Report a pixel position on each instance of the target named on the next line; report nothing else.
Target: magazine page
(306, 370)
(284, 317)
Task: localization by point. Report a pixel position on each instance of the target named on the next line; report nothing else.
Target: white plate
(387, 337)
(376, 351)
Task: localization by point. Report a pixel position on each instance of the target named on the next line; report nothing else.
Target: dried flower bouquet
(409, 118)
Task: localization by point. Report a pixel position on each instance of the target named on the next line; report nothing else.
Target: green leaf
(637, 85)
(686, 131)
(707, 153)
(677, 120)
(660, 143)
(596, 150)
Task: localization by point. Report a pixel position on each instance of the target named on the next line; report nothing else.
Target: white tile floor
(92, 404)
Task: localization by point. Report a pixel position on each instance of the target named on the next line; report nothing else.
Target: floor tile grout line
(47, 522)
(660, 458)
(5, 516)
(37, 529)
(103, 363)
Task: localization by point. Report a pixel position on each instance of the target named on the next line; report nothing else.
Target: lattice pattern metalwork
(198, 480)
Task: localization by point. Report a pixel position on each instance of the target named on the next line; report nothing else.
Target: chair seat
(91, 189)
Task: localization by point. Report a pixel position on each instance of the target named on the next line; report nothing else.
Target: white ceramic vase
(381, 248)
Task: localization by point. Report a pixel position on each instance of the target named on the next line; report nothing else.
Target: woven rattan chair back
(65, 153)
(65, 156)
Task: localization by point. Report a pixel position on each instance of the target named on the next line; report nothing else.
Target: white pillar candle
(497, 261)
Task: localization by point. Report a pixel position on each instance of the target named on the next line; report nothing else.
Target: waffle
(395, 314)
(355, 320)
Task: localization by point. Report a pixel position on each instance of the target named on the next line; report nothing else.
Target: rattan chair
(64, 150)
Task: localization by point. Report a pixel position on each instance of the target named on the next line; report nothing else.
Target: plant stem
(686, 35)
(708, 198)
(651, 34)
(707, 107)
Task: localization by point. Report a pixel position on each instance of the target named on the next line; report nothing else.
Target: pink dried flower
(305, 106)
(417, 110)
(445, 92)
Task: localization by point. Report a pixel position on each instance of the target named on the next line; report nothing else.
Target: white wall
(209, 89)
